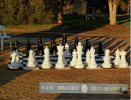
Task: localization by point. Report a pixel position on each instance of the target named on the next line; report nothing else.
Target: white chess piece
(60, 63)
(117, 57)
(92, 64)
(87, 57)
(15, 62)
(74, 57)
(123, 63)
(46, 63)
(106, 58)
(79, 63)
(32, 64)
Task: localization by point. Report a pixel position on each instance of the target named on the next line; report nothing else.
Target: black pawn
(100, 49)
(53, 49)
(40, 50)
(76, 42)
(87, 46)
(15, 46)
(28, 47)
(64, 39)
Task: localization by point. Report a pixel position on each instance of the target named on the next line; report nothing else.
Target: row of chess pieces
(76, 61)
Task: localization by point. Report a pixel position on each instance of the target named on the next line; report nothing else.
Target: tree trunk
(112, 11)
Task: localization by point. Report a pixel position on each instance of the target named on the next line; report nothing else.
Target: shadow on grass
(8, 75)
(92, 97)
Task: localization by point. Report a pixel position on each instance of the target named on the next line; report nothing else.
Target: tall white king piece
(32, 63)
(79, 63)
(123, 63)
(60, 63)
(107, 63)
(46, 63)
(92, 64)
(15, 62)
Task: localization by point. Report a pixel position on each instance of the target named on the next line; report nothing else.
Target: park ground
(24, 85)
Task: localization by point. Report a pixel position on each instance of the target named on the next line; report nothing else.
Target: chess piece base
(30, 68)
(10, 66)
(124, 65)
(59, 66)
(106, 65)
(81, 66)
(46, 66)
(92, 66)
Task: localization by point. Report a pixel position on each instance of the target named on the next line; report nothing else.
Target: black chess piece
(100, 49)
(76, 42)
(64, 39)
(15, 46)
(53, 49)
(28, 47)
(87, 46)
(40, 50)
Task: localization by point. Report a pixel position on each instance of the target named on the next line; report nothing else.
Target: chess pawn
(107, 63)
(79, 63)
(67, 51)
(92, 64)
(117, 57)
(87, 57)
(32, 64)
(46, 63)
(123, 63)
(87, 46)
(60, 63)
(15, 62)
(40, 48)
(15, 46)
(64, 40)
(100, 49)
(74, 58)
(76, 42)
(28, 47)
(53, 49)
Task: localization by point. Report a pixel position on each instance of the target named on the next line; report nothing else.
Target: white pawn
(74, 57)
(87, 57)
(67, 51)
(46, 63)
(117, 57)
(107, 63)
(60, 63)
(79, 63)
(92, 64)
(32, 64)
(15, 62)
(123, 63)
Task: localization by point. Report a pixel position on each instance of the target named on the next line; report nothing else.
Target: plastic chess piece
(60, 63)
(87, 46)
(15, 46)
(28, 47)
(87, 61)
(92, 64)
(46, 63)
(117, 57)
(67, 53)
(79, 63)
(100, 48)
(76, 42)
(15, 62)
(74, 58)
(39, 50)
(123, 63)
(107, 63)
(64, 39)
(53, 49)
(32, 63)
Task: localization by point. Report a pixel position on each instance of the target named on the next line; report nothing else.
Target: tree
(112, 11)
